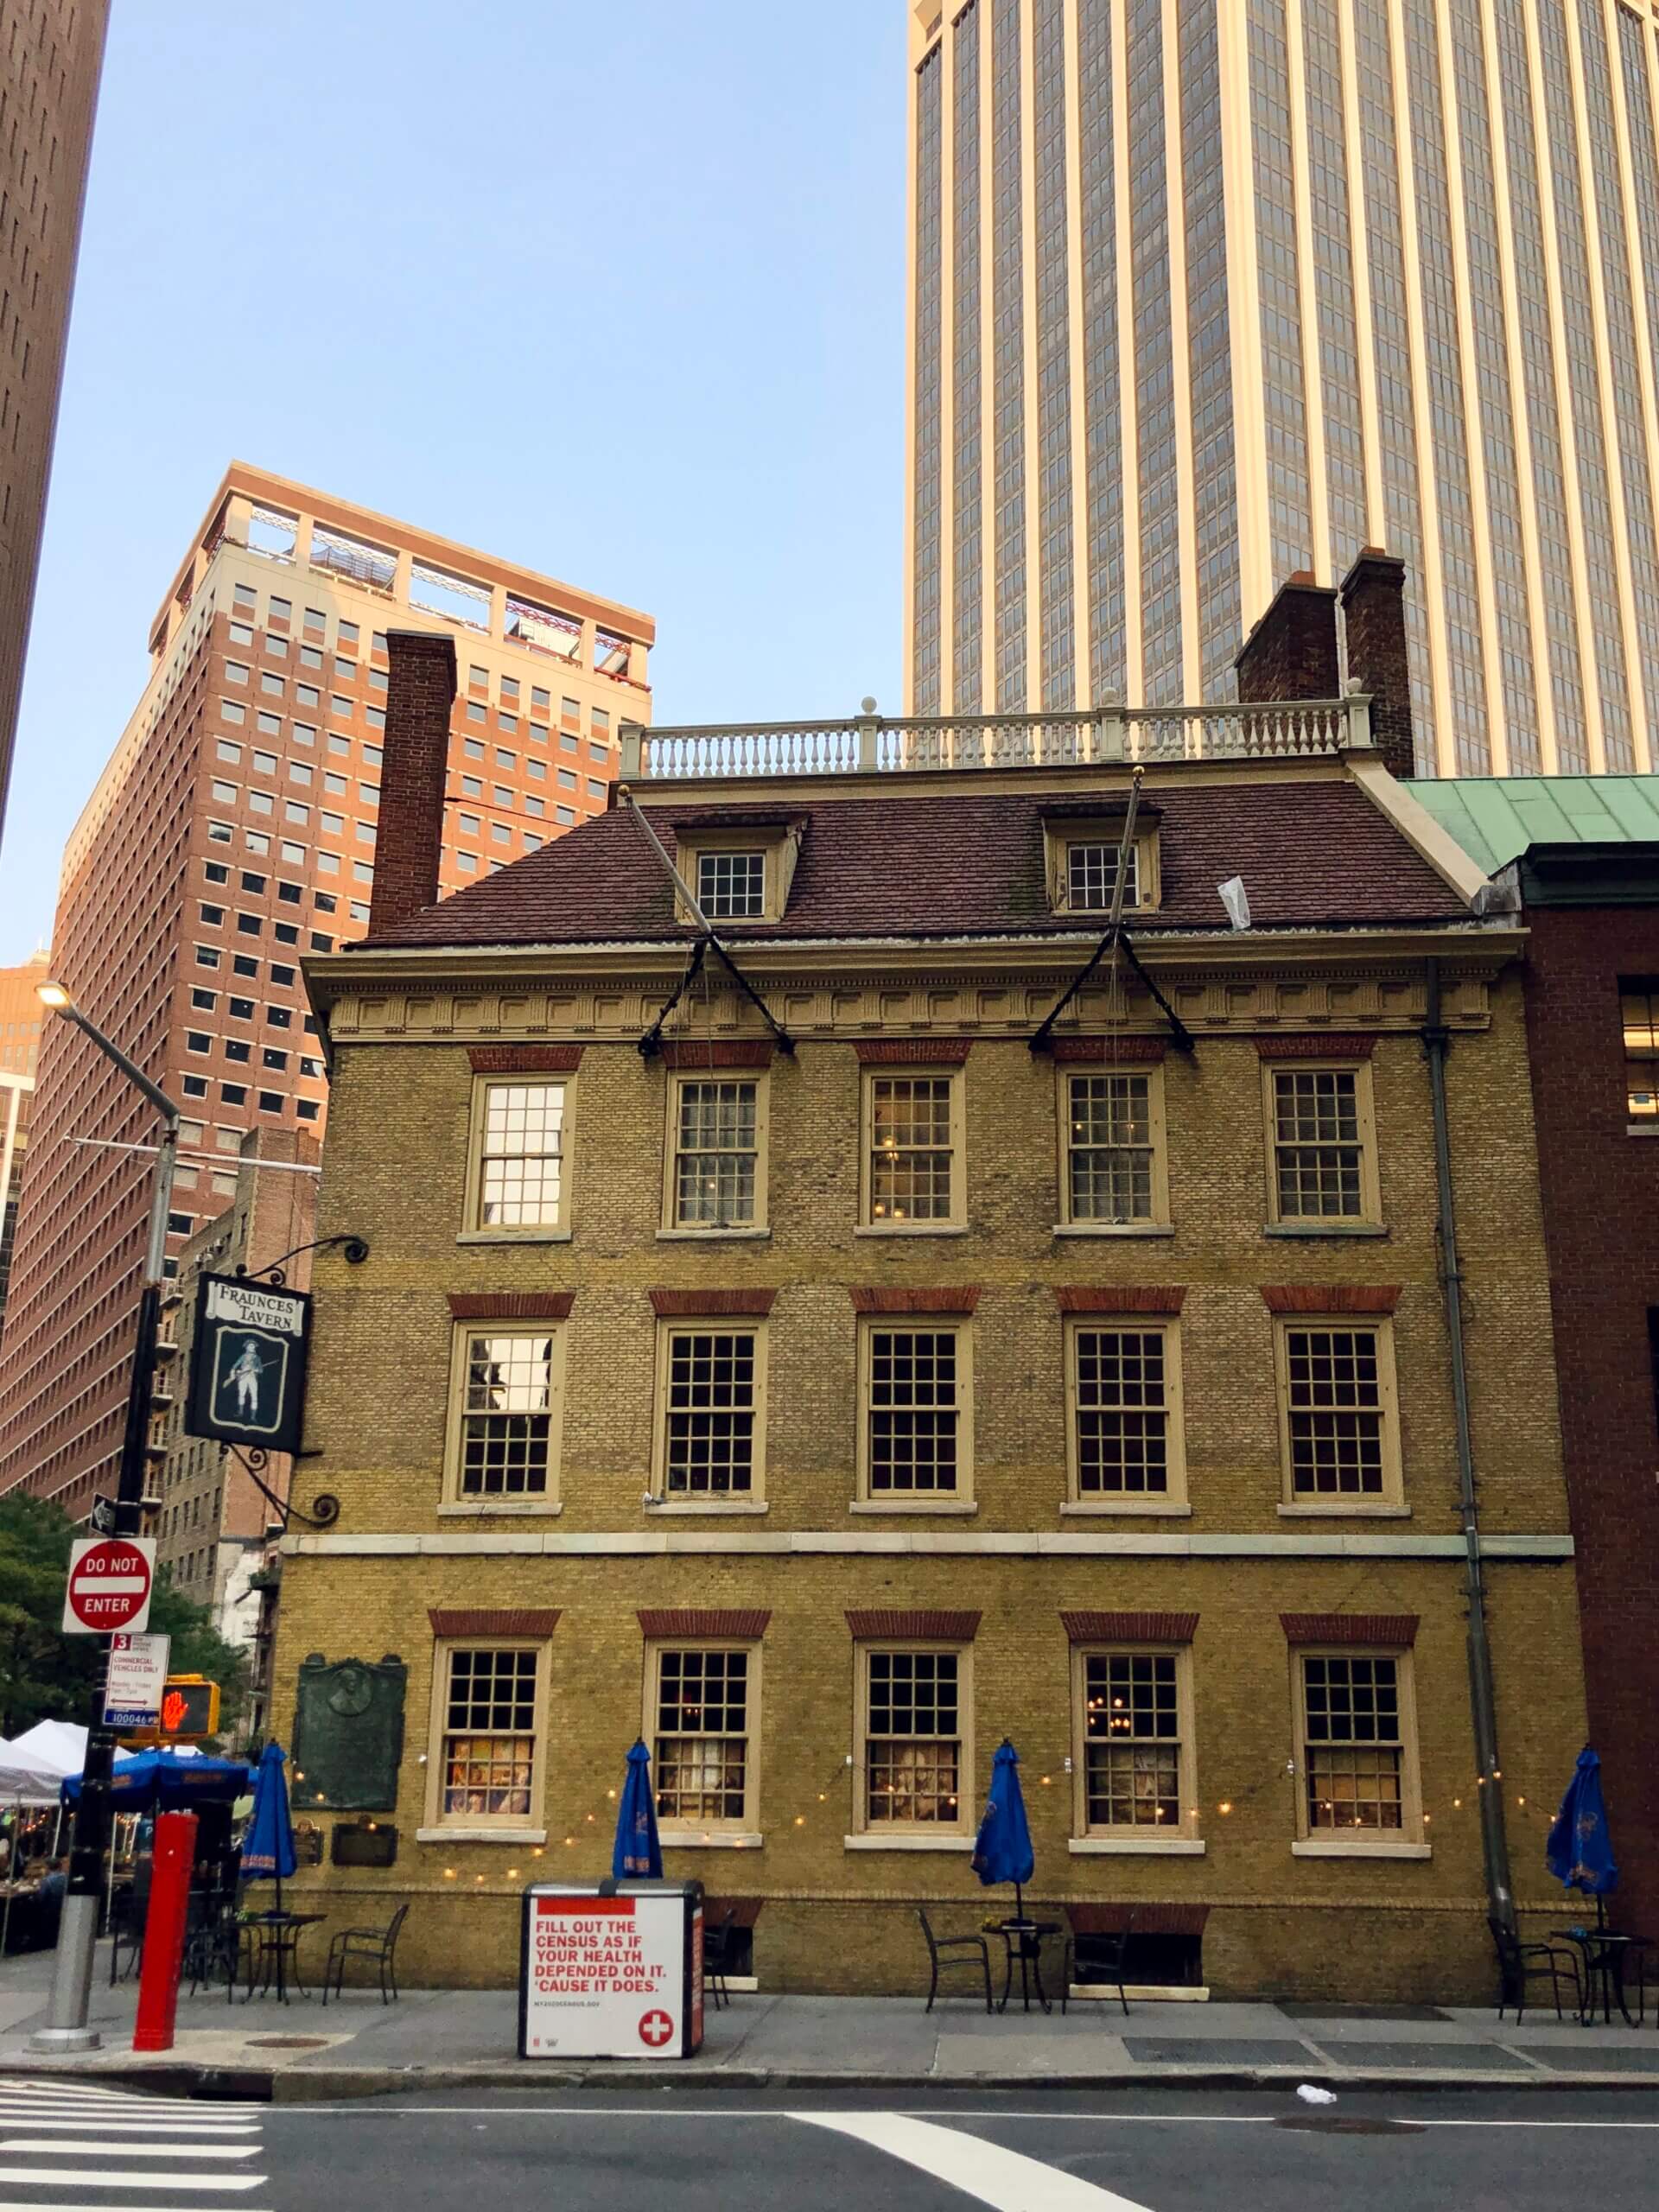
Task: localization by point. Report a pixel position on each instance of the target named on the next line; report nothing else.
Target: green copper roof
(1497, 818)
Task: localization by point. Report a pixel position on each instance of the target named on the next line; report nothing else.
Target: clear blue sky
(616, 290)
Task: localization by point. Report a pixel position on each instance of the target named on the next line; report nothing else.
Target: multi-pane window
(700, 1750)
(716, 1154)
(1125, 1391)
(732, 886)
(1338, 1386)
(1132, 1740)
(519, 1182)
(711, 1412)
(486, 1752)
(913, 1739)
(1320, 1166)
(1354, 1743)
(915, 1411)
(910, 1132)
(1111, 1150)
(1638, 999)
(1091, 876)
(505, 1442)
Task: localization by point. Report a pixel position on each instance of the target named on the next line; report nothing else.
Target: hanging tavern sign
(247, 1363)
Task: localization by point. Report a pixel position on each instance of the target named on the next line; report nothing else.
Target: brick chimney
(419, 694)
(1374, 614)
(1291, 652)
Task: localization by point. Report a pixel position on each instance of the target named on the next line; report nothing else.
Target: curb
(334, 2084)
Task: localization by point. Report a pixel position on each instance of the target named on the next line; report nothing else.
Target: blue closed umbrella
(1003, 1849)
(1579, 1852)
(268, 1847)
(637, 1855)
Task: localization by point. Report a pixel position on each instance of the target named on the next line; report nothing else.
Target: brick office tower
(51, 54)
(232, 832)
(1584, 864)
(20, 1017)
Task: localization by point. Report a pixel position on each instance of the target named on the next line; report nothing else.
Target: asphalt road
(1019, 2151)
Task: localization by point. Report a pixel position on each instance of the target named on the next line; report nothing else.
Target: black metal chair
(1105, 1966)
(1519, 1963)
(376, 1945)
(717, 1948)
(947, 1953)
(127, 1915)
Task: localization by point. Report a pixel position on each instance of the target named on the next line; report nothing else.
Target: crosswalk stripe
(131, 2126)
(11, 2145)
(85, 2177)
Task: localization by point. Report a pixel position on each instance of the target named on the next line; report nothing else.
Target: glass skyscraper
(1204, 293)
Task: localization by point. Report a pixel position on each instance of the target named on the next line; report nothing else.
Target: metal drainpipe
(1482, 1702)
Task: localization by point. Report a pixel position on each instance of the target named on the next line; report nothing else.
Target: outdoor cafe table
(1605, 1955)
(1023, 1941)
(274, 1943)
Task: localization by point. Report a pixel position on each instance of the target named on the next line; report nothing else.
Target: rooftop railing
(871, 743)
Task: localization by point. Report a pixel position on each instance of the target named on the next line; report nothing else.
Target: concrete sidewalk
(455, 2039)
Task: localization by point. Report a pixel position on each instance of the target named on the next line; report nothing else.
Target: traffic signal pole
(66, 2028)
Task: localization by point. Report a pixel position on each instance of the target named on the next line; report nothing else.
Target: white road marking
(1006, 2179)
(942, 2114)
(86, 2177)
(11, 2145)
(11, 2118)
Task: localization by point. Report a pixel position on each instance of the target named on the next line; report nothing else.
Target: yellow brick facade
(837, 1918)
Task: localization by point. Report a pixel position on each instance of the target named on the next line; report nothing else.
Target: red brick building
(231, 834)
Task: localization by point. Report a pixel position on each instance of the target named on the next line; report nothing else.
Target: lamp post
(71, 1981)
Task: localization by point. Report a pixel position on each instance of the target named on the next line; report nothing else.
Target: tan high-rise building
(20, 1017)
(1205, 295)
(51, 52)
(233, 832)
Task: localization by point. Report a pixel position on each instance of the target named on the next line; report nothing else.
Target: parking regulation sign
(110, 1579)
(247, 1363)
(137, 1680)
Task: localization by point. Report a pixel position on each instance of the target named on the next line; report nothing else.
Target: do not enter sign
(109, 1581)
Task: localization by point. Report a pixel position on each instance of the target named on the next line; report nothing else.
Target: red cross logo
(655, 2029)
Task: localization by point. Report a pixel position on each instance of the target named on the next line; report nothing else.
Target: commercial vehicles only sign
(110, 1579)
(612, 1977)
(137, 1680)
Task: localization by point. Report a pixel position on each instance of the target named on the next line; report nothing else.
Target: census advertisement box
(247, 1363)
(610, 1970)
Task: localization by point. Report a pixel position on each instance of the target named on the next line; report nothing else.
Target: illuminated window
(1639, 1006)
(1135, 1733)
(911, 1139)
(913, 1735)
(490, 1729)
(699, 1723)
(1358, 1750)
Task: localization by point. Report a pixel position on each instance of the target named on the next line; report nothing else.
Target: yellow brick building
(840, 1385)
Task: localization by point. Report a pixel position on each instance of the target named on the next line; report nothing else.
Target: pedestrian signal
(189, 1708)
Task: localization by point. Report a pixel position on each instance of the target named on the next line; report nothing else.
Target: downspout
(1494, 1849)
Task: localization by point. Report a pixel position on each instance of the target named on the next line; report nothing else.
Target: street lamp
(72, 1979)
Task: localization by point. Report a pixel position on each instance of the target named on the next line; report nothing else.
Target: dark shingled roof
(943, 865)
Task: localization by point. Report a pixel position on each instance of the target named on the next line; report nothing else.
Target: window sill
(913, 1505)
(1642, 1129)
(513, 1836)
(911, 1229)
(714, 1840)
(906, 1843)
(514, 1237)
(681, 1509)
(1324, 1228)
(1346, 1510)
(1114, 1228)
(1139, 1508)
(489, 1510)
(1358, 1848)
(747, 1234)
(1131, 1846)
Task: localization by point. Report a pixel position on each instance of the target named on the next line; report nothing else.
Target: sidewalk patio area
(457, 2038)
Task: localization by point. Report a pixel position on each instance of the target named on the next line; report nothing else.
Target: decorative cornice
(1330, 1298)
(512, 1305)
(735, 1622)
(932, 1623)
(1396, 1630)
(960, 1298)
(676, 1305)
(1130, 1628)
(1109, 1297)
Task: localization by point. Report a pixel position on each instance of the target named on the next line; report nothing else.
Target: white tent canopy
(32, 1765)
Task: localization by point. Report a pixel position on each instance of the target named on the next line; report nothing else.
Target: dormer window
(732, 886)
(738, 871)
(1084, 845)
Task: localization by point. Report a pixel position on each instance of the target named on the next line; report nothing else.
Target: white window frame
(1409, 1840)
(1389, 1500)
(744, 1830)
(1180, 1837)
(475, 1228)
(758, 1224)
(1369, 1220)
(456, 1498)
(669, 1333)
(961, 1499)
(1172, 1499)
(464, 1825)
(955, 1217)
(1157, 1222)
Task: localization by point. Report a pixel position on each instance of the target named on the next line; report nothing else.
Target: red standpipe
(169, 1906)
